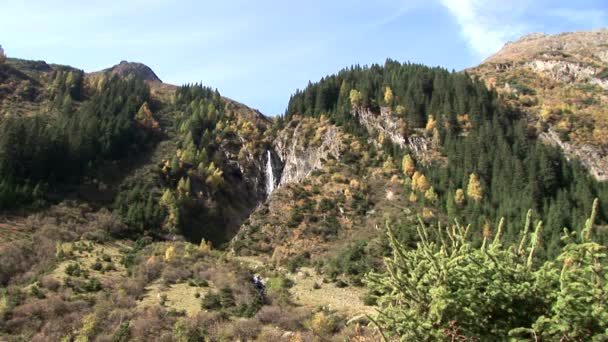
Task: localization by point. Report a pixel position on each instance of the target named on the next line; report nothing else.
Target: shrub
(226, 296)
(341, 283)
(36, 292)
(74, 270)
(296, 262)
(211, 301)
(92, 285)
(97, 266)
(246, 329)
(325, 323)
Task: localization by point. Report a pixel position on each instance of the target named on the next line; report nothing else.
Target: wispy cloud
(487, 24)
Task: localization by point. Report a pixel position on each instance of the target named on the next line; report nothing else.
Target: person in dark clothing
(259, 285)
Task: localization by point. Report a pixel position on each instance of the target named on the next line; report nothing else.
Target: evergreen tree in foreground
(447, 289)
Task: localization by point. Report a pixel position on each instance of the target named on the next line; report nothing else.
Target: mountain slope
(561, 82)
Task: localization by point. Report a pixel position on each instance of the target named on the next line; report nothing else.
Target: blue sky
(259, 52)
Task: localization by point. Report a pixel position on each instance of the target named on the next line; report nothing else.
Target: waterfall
(269, 174)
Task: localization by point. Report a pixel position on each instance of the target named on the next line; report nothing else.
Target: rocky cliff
(304, 145)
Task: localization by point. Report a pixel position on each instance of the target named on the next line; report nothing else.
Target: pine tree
(450, 288)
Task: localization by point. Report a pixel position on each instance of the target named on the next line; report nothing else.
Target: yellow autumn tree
(459, 197)
(169, 253)
(408, 165)
(400, 110)
(413, 198)
(431, 124)
(183, 187)
(355, 97)
(474, 190)
(388, 96)
(419, 182)
(431, 195)
(205, 246)
(215, 177)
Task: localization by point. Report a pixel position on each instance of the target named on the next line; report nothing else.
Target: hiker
(259, 284)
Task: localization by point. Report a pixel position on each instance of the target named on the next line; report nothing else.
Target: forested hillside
(491, 164)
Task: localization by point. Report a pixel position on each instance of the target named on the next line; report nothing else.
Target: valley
(389, 201)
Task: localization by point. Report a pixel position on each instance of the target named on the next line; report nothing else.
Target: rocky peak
(138, 70)
(585, 46)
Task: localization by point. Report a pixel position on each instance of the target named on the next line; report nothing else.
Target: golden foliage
(88, 327)
(388, 165)
(355, 97)
(419, 182)
(388, 95)
(205, 246)
(215, 177)
(183, 187)
(427, 214)
(413, 198)
(381, 138)
(145, 117)
(459, 197)
(169, 253)
(395, 179)
(408, 165)
(431, 195)
(324, 323)
(431, 124)
(474, 190)
(400, 109)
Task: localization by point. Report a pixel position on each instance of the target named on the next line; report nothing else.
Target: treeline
(467, 124)
(414, 91)
(65, 144)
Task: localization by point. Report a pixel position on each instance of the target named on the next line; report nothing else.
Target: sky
(259, 52)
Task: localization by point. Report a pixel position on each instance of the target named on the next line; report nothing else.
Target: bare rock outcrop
(301, 154)
(594, 158)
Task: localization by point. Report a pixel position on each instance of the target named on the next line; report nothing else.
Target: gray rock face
(594, 158)
(300, 157)
(567, 72)
(384, 122)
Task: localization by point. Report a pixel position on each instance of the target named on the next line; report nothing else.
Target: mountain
(138, 70)
(456, 204)
(561, 82)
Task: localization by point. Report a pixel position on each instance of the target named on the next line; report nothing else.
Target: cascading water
(269, 174)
